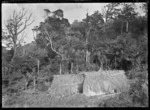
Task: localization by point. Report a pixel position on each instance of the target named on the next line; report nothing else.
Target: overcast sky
(72, 11)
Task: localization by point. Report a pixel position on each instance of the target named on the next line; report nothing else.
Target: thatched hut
(104, 82)
(65, 85)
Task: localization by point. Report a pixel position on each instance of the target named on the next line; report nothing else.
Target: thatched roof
(65, 85)
(104, 82)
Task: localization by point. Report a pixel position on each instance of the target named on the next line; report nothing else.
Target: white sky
(72, 11)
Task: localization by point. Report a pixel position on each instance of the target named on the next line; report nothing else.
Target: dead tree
(16, 25)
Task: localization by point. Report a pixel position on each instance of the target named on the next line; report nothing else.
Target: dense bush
(139, 89)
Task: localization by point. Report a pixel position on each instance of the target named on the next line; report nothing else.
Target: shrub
(138, 93)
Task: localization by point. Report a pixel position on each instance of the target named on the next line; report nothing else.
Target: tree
(73, 48)
(94, 24)
(16, 26)
(128, 13)
(52, 32)
(110, 11)
(88, 32)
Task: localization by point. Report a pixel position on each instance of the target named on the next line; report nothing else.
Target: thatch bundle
(104, 82)
(65, 85)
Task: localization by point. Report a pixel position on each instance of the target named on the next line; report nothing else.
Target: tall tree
(88, 30)
(127, 15)
(110, 11)
(52, 33)
(74, 46)
(16, 25)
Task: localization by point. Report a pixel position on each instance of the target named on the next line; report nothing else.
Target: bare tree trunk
(77, 68)
(104, 26)
(14, 54)
(38, 64)
(60, 70)
(86, 42)
(87, 53)
(115, 62)
(34, 82)
(121, 27)
(127, 27)
(87, 58)
(71, 67)
(34, 79)
(50, 41)
(25, 82)
(106, 63)
(101, 67)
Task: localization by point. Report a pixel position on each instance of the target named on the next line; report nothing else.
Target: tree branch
(9, 30)
(19, 25)
(50, 40)
(20, 17)
(14, 19)
(25, 24)
(22, 38)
